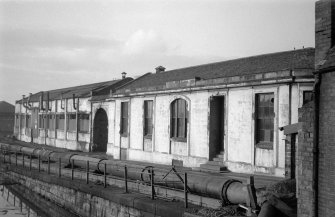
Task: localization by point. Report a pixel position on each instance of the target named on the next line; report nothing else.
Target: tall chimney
(123, 75)
(159, 69)
(324, 29)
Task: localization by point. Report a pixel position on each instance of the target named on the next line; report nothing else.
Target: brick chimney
(324, 29)
(159, 69)
(123, 75)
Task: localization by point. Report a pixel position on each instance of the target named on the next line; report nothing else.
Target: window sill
(124, 135)
(265, 145)
(85, 132)
(147, 136)
(177, 139)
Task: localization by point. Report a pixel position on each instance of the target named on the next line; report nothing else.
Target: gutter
(316, 92)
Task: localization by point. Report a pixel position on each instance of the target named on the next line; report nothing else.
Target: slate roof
(6, 107)
(81, 91)
(274, 62)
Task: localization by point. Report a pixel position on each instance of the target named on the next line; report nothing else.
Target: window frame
(266, 120)
(179, 120)
(71, 117)
(60, 116)
(124, 118)
(82, 124)
(304, 100)
(148, 118)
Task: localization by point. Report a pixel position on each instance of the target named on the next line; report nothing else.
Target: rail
(99, 172)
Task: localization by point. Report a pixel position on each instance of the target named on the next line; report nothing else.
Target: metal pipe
(185, 190)
(105, 177)
(87, 171)
(152, 184)
(126, 178)
(316, 92)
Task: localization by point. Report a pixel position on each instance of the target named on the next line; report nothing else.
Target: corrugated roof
(274, 62)
(6, 107)
(79, 91)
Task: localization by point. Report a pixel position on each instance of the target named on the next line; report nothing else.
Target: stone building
(62, 117)
(6, 118)
(216, 116)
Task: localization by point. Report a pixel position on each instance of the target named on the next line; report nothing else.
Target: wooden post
(15, 158)
(39, 163)
(22, 159)
(87, 171)
(30, 161)
(60, 167)
(185, 190)
(252, 199)
(126, 178)
(72, 169)
(49, 165)
(152, 184)
(105, 176)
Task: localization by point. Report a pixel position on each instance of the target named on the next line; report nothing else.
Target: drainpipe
(316, 92)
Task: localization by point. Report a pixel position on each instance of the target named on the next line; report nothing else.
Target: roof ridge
(241, 58)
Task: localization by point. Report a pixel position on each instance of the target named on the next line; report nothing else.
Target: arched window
(179, 116)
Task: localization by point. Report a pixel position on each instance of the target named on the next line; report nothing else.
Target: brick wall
(305, 181)
(327, 145)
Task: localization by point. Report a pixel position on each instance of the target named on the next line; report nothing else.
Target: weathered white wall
(240, 124)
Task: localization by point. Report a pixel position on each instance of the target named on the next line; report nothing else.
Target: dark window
(28, 120)
(307, 97)
(51, 121)
(71, 122)
(43, 121)
(179, 117)
(264, 120)
(22, 123)
(17, 120)
(60, 121)
(124, 118)
(84, 121)
(148, 106)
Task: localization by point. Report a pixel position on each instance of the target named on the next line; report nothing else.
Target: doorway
(216, 126)
(100, 131)
(34, 123)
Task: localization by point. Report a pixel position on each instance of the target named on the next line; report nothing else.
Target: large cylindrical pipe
(81, 161)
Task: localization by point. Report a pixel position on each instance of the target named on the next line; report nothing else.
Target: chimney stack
(159, 69)
(324, 29)
(123, 75)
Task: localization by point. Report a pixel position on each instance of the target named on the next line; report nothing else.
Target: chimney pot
(123, 75)
(159, 69)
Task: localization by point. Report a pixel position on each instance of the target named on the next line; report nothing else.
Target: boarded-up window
(148, 106)
(307, 97)
(124, 119)
(22, 124)
(28, 121)
(43, 120)
(264, 120)
(60, 118)
(84, 122)
(51, 121)
(71, 122)
(179, 116)
(17, 120)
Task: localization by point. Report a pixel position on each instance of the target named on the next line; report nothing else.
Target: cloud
(145, 42)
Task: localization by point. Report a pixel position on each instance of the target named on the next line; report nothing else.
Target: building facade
(6, 118)
(218, 116)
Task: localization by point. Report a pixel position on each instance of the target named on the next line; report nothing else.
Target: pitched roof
(6, 107)
(79, 91)
(274, 62)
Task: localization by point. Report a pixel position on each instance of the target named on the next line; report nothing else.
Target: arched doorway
(100, 131)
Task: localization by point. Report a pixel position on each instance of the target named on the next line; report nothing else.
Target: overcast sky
(53, 44)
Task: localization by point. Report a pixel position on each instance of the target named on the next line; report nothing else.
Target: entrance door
(216, 126)
(100, 131)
